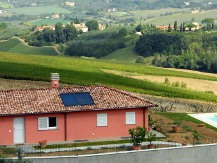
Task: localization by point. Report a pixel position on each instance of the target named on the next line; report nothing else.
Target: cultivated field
(39, 10)
(85, 71)
(16, 46)
(184, 17)
(193, 84)
(156, 13)
(48, 22)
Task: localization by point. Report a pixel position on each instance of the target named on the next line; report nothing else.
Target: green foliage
(151, 137)
(48, 37)
(137, 135)
(166, 81)
(196, 135)
(97, 44)
(140, 59)
(176, 84)
(200, 54)
(166, 42)
(92, 25)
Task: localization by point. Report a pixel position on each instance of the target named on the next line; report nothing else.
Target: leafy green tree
(175, 26)
(70, 32)
(92, 25)
(190, 26)
(169, 28)
(77, 21)
(208, 22)
(181, 28)
(60, 38)
(139, 28)
(122, 32)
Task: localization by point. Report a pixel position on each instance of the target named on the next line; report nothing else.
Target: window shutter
(101, 119)
(43, 123)
(130, 118)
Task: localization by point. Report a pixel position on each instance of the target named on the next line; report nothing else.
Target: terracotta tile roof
(17, 102)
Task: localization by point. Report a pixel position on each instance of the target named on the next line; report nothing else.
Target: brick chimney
(55, 80)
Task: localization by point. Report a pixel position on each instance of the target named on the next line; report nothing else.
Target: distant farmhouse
(43, 27)
(163, 27)
(2, 11)
(112, 10)
(71, 4)
(194, 11)
(79, 27)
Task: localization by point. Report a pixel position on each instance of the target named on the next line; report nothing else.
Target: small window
(101, 119)
(130, 118)
(47, 123)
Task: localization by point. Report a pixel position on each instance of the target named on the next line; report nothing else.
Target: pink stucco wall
(35, 135)
(79, 125)
(6, 130)
(84, 125)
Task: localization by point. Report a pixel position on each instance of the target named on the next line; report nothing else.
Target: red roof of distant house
(17, 102)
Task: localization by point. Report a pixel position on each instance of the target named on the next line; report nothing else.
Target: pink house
(69, 114)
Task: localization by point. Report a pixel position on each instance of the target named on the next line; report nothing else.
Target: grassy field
(123, 55)
(39, 10)
(156, 13)
(16, 46)
(84, 72)
(5, 5)
(48, 22)
(185, 17)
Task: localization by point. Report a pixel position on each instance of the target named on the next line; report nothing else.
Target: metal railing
(35, 150)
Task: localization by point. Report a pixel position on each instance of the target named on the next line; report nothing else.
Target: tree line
(61, 34)
(97, 44)
(194, 51)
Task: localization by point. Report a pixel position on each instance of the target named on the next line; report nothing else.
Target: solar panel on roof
(74, 99)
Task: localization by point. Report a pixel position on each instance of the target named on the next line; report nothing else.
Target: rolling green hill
(84, 72)
(123, 55)
(16, 46)
(39, 10)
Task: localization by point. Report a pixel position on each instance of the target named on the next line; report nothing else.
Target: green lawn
(85, 72)
(16, 46)
(39, 10)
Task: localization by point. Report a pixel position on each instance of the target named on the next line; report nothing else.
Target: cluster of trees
(97, 43)
(209, 25)
(3, 26)
(61, 34)
(49, 36)
(159, 42)
(195, 51)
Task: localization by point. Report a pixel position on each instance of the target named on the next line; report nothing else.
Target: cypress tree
(175, 26)
(169, 28)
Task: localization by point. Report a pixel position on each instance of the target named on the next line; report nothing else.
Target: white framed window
(130, 118)
(47, 123)
(102, 119)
